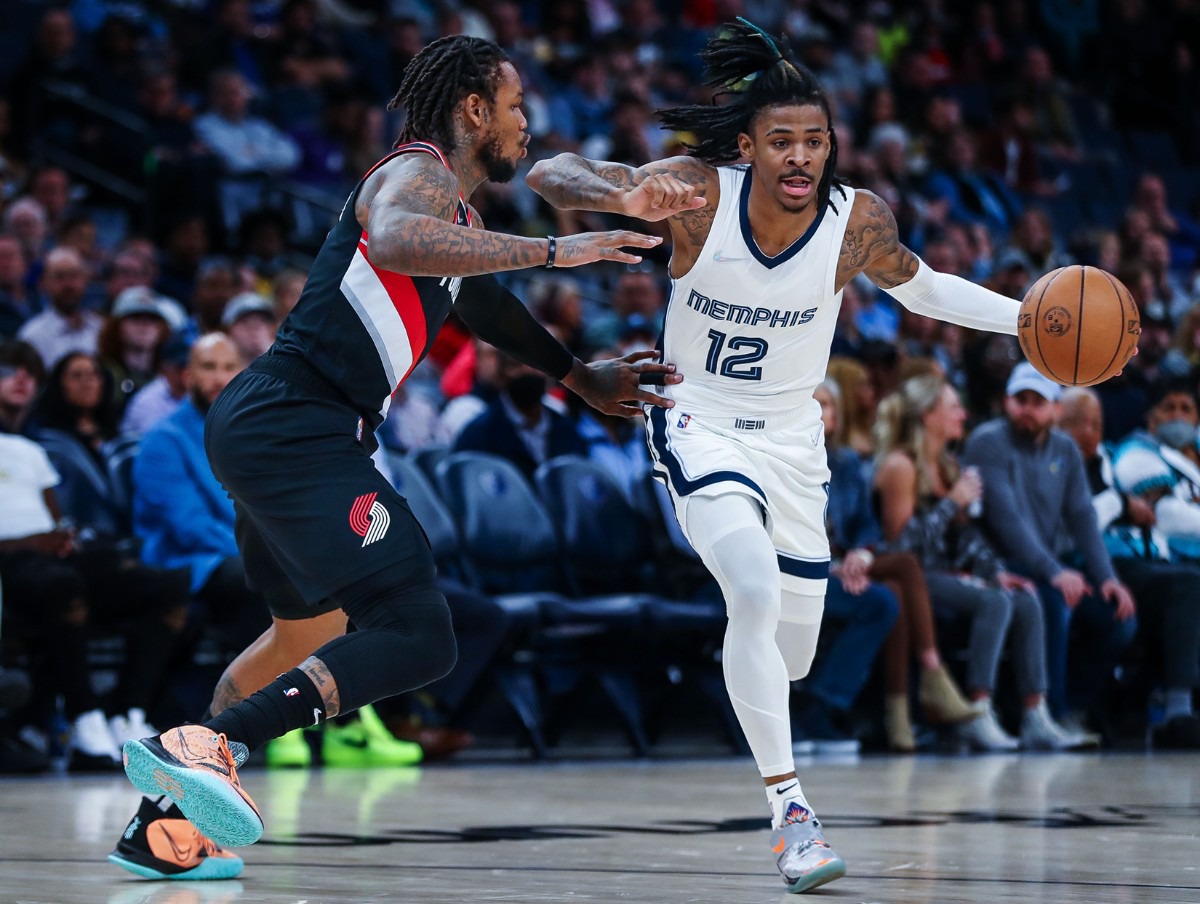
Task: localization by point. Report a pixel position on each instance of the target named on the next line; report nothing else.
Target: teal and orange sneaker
(804, 857)
(195, 768)
(156, 846)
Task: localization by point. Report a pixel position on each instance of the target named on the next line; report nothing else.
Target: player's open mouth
(797, 186)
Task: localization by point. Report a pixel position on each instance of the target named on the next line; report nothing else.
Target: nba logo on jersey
(683, 420)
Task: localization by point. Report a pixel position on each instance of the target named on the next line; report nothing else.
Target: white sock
(780, 795)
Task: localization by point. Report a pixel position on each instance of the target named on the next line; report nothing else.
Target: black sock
(290, 701)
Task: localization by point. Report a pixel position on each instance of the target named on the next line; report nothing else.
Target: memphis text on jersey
(740, 313)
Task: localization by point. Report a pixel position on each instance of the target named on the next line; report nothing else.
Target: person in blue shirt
(180, 511)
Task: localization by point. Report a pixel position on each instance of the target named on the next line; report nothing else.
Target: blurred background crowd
(168, 169)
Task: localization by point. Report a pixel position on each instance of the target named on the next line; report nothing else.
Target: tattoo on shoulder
(872, 245)
(418, 185)
(696, 223)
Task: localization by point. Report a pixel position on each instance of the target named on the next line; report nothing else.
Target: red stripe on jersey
(405, 299)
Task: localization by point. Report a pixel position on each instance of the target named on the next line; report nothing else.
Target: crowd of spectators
(168, 168)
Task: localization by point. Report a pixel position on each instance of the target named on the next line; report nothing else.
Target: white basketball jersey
(751, 333)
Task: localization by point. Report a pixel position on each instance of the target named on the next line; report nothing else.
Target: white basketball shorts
(782, 467)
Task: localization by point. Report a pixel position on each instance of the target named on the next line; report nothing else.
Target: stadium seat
(510, 545)
(85, 492)
(119, 456)
(512, 676)
(427, 460)
(607, 548)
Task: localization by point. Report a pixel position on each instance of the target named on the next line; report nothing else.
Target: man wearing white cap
(249, 320)
(1035, 487)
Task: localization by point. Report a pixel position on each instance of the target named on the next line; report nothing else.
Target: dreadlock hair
(437, 78)
(754, 71)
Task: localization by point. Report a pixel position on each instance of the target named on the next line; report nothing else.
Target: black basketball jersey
(362, 327)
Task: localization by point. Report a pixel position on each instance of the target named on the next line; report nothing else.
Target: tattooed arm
(407, 209)
(683, 191)
(871, 245)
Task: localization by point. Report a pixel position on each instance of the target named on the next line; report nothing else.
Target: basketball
(1078, 325)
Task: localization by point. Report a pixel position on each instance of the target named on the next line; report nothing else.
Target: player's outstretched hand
(613, 385)
(661, 196)
(589, 247)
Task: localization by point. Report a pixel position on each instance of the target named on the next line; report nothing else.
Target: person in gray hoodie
(1036, 494)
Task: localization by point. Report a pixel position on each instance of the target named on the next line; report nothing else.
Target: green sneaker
(289, 752)
(365, 741)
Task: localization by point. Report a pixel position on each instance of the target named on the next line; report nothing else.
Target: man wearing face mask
(1167, 592)
(1160, 464)
(519, 425)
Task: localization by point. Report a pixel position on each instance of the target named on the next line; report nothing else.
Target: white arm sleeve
(957, 300)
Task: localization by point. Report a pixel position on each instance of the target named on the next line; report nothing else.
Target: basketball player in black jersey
(323, 535)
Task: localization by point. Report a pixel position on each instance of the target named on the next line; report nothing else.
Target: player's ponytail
(751, 71)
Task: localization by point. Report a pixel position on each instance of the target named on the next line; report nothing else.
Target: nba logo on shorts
(369, 519)
(683, 420)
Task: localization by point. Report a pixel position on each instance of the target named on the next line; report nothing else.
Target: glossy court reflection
(1056, 828)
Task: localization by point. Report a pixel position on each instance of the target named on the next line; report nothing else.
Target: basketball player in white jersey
(765, 237)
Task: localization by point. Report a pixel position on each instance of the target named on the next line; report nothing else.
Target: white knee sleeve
(796, 636)
(728, 533)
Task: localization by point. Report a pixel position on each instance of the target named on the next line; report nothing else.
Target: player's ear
(746, 145)
(474, 110)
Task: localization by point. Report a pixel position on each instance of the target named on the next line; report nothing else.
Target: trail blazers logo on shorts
(369, 519)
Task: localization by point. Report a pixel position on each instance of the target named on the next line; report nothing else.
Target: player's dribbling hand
(659, 197)
(590, 247)
(613, 385)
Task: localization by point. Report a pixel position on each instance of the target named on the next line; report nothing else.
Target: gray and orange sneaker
(194, 767)
(804, 857)
(156, 845)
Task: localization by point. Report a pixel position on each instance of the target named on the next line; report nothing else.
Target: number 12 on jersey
(734, 366)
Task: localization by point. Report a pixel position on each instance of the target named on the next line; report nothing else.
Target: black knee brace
(404, 641)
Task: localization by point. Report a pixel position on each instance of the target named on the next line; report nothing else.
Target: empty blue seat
(510, 543)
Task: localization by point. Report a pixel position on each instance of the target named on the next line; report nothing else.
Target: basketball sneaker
(156, 846)
(195, 768)
(804, 857)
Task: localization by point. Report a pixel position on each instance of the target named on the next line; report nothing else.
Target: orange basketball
(1078, 325)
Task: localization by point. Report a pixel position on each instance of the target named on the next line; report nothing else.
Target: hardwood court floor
(1062, 828)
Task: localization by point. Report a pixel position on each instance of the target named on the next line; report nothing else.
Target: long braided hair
(752, 71)
(437, 78)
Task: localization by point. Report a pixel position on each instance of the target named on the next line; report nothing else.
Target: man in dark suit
(519, 425)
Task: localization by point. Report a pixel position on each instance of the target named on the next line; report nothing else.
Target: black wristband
(551, 251)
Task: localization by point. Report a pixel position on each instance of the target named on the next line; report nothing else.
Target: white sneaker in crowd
(1039, 731)
(92, 745)
(130, 727)
(984, 733)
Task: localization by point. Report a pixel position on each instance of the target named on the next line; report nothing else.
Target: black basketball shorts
(314, 515)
